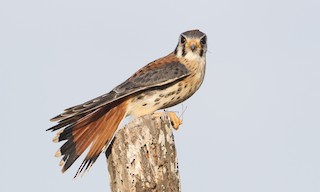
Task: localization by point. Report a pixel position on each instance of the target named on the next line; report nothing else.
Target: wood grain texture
(143, 157)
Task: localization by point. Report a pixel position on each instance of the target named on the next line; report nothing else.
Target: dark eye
(203, 41)
(182, 40)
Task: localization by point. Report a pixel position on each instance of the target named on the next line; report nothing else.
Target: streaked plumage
(160, 84)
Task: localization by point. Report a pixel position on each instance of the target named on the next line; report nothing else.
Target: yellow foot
(175, 120)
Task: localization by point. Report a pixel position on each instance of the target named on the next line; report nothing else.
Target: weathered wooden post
(143, 156)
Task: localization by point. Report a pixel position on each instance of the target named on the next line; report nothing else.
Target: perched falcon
(160, 84)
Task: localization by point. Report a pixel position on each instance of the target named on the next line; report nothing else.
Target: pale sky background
(254, 125)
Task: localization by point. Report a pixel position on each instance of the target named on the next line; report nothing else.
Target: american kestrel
(160, 84)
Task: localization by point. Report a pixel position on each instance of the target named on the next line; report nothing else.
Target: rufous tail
(95, 130)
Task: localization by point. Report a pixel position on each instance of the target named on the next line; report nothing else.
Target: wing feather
(157, 73)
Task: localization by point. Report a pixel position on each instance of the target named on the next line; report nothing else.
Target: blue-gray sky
(254, 125)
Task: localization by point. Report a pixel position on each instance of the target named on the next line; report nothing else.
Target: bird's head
(192, 45)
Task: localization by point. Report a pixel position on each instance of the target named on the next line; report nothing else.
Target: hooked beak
(193, 47)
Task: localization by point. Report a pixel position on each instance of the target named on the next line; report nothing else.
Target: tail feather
(94, 131)
(113, 119)
(67, 122)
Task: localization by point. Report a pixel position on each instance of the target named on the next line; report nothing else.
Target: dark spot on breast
(178, 98)
(164, 104)
(172, 98)
(190, 90)
(156, 103)
(157, 99)
(140, 97)
(161, 95)
(169, 94)
(179, 90)
(145, 104)
(185, 86)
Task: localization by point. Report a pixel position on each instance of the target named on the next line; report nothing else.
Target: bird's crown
(194, 33)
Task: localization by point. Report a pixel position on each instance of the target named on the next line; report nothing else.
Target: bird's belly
(149, 101)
